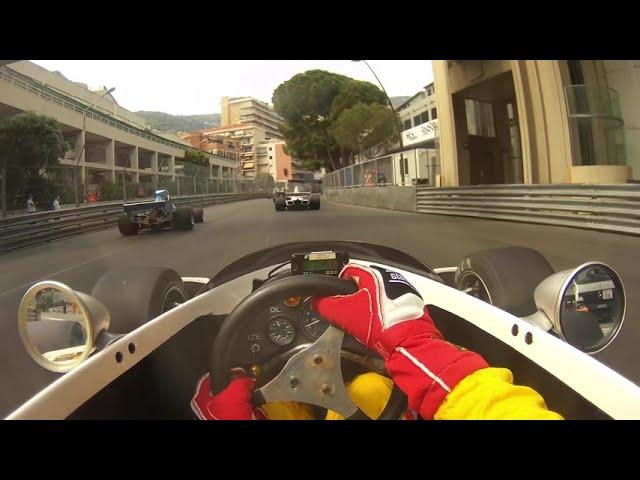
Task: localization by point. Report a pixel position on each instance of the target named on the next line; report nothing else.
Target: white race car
(145, 335)
(297, 197)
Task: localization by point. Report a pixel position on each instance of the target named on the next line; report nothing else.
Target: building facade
(107, 142)
(249, 140)
(419, 109)
(538, 121)
(281, 166)
(254, 124)
(220, 145)
(249, 110)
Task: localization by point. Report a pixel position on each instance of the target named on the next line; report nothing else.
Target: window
(424, 117)
(416, 120)
(270, 156)
(434, 114)
(270, 148)
(407, 124)
(479, 118)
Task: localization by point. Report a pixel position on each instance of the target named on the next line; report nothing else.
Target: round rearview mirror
(591, 307)
(58, 326)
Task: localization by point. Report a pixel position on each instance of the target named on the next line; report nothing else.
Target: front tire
(314, 202)
(504, 277)
(126, 226)
(135, 295)
(183, 218)
(280, 204)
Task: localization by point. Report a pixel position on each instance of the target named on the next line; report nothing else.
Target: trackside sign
(421, 133)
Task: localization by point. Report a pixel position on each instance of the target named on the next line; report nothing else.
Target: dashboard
(281, 327)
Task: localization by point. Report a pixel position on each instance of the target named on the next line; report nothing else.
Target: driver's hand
(384, 310)
(387, 314)
(233, 403)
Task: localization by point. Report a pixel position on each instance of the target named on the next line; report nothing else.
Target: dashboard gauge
(292, 302)
(281, 331)
(312, 322)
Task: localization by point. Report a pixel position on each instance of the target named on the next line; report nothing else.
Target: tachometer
(312, 322)
(281, 331)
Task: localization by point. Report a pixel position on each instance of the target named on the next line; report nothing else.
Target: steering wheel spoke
(314, 376)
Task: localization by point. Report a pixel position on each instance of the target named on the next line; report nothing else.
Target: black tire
(510, 276)
(280, 205)
(198, 215)
(314, 202)
(126, 226)
(135, 295)
(183, 218)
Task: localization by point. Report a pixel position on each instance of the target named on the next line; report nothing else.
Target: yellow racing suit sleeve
(489, 394)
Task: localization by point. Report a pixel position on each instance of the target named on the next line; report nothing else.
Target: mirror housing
(578, 307)
(90, 316)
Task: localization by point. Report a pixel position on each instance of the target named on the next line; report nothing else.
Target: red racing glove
(388, 314)
(233, 403)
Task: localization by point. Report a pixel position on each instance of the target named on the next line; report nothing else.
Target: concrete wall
(390, 198)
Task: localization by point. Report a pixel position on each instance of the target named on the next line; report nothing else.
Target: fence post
(124, 185)
(75, 186)
(3, 190)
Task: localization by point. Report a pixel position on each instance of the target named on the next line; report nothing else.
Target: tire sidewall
(134, 295)
(183, 218)
(510, 275)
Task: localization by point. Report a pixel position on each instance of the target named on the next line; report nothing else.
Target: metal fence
(607, 207)
(379, 171)
(45, 185)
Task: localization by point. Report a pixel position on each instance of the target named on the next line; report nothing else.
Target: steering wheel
(313, 375)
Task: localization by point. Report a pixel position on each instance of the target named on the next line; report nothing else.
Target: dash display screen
(323, 263)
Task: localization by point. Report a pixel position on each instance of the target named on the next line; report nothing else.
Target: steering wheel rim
(302, 285)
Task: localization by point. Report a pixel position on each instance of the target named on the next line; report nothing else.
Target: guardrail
(31, 229)
(606, 207)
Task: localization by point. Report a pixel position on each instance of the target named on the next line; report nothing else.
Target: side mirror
(59, 326)
(585, 305)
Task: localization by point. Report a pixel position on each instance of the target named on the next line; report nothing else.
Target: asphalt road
(235, 229)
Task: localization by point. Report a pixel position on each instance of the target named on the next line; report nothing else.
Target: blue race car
(158, 214)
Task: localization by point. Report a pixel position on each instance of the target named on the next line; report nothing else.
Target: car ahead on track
(146, 329)
(296, 196)
(158, 214)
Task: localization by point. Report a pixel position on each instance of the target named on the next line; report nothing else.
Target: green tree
(30, 145)
(264, 182)
(362, 126)
(310, 103)
(197, 157)
(196, 163)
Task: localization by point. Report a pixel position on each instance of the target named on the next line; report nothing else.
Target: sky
(189, 87)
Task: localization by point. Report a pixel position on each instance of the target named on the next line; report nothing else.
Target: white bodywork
(603, 387)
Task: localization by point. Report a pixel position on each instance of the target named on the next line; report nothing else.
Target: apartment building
(223, 146)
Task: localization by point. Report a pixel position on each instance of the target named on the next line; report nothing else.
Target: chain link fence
(67, 186)
(378, 172)
(419, 166)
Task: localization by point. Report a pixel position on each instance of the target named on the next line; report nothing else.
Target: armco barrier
(606, 207)
(24, 230)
